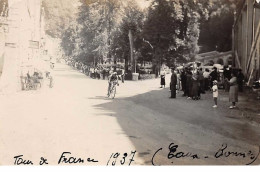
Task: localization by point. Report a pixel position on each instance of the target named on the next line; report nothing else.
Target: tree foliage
(168, 31)
(3, 8)
(217, 29)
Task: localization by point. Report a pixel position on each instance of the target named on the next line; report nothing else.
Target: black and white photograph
(129, 82)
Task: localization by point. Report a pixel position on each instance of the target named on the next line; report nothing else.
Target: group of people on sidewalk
(233, 90)
(95, 72)
(90, 71)
(193, 83)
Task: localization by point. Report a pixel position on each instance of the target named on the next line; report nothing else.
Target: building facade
(246, 39)
(21, 41)
(3, 25)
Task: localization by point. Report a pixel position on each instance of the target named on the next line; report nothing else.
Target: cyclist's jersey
(113, 78)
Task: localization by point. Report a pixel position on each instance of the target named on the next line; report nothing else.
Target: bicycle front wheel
(113, 92)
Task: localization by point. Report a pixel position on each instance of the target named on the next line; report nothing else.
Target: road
(75, 116)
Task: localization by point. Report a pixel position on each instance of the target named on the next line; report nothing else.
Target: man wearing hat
(173, 83)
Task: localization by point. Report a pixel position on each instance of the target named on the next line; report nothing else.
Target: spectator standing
(201, 81)
(95, 73)
(104, 73)
(233, 91)
(227, 77)
(188, 83)
(123, 76)
(213, 76)
(92, 71)
(183, 82)
(240, 80)
(195, 86)
(163, 73)
(206, 76)
(173, 83)
(98, 74)
(178, 80)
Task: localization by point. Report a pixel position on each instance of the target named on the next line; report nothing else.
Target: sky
(143, 3)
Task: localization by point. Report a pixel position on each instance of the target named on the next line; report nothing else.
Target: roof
(208, 54)
(218, 55)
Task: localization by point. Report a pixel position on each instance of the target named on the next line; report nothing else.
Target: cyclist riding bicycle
(112, 79)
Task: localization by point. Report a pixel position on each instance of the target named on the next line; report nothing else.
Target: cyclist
(113, 78)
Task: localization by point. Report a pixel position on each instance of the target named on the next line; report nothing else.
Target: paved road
(75, 116)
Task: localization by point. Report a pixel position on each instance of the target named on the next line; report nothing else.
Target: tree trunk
(125, 56)
(132, 51)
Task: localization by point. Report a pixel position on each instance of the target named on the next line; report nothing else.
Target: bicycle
(112, 90)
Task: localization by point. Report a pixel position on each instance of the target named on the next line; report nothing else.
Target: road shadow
(152, 121)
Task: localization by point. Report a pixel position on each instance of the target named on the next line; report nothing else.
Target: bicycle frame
(112, 91)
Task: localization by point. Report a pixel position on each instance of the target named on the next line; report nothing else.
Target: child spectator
(215, 93)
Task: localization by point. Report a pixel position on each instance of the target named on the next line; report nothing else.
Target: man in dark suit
(183, 82)
(213, 76)
(240, 80)
(173, 84)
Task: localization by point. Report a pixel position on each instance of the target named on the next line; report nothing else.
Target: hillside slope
(59, 14)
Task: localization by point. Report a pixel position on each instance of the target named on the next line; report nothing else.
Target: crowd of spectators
(194, 82)
(98, 72)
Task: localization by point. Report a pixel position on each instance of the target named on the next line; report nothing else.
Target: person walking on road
(173, 84)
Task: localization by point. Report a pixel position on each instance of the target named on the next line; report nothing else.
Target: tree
(131, 24)
(161, 29)
(96, 21)
(169, 31)
(217, 29)
(3, 8)
(59, 15)
(173, 28)
(69, 40)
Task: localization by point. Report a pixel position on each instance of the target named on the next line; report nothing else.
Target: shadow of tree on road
(152, 120)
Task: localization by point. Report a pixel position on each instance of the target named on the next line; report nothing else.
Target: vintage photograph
(129, 82)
